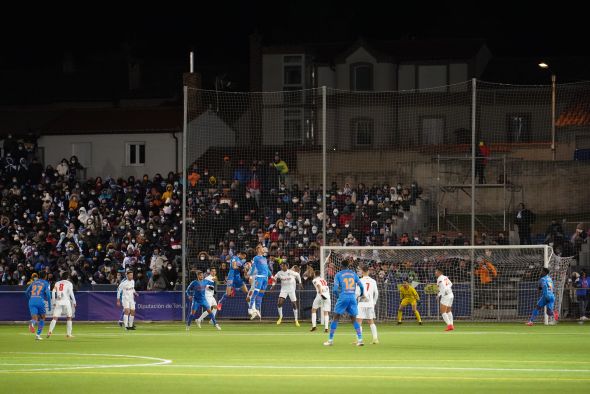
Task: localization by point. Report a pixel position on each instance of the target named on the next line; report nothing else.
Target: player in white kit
(366, 304)
(126, 297)
(289, 279)
(210, 293)
(445, 294)
(322, 300)
(63, 294)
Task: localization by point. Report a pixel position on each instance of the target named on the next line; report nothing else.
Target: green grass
(257, 358)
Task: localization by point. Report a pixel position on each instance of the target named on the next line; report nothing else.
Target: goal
(490, 283)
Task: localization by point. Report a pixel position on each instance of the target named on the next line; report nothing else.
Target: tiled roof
(92, 120)
(399, 50)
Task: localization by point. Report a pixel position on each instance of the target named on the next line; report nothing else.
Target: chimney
(194, 103)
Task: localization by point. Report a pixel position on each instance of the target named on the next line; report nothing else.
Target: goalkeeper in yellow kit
(408, 295)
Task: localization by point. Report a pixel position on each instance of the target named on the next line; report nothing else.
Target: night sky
(219, 33)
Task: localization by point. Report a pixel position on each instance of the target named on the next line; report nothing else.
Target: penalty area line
(323, 376)
(389, 367)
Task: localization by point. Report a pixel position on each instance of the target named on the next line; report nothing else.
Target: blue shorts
(236, 282)
(546, 301)
(36, 307)
(346, 305)
(261, 283)
(198, 303)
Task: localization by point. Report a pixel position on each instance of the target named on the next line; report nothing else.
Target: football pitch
(260, 357)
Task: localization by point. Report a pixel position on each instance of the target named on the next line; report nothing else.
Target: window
(293, 71)
(362, 132)
(292, 75)
(135, 153)
(293, 125)
(518, 127)
(361, 76)
(293, 81)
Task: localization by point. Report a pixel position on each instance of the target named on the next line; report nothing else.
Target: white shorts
(211, 301)
(447, 300)
(58, 309)
(286, 293)
(319, 302)
(128, 304)
(367, 312)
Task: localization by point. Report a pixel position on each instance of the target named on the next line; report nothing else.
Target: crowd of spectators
(53, 220)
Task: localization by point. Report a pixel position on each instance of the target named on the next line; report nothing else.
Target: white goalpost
(490, 283)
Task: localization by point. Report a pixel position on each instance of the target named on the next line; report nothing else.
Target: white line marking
(158, 361)
(285, 334)
(392, 367)
(55, 365)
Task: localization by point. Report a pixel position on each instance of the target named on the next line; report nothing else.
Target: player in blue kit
(196, 292)
(234, 278)
(345, 283)
(38, 293)
(261, 271)
(547, 298)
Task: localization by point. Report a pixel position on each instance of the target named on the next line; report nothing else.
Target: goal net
(490, 283)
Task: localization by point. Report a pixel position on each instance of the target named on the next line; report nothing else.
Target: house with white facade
(387, 94)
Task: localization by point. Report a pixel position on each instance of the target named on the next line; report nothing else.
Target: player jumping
(547, 298)
(234, 278)
(260, 266)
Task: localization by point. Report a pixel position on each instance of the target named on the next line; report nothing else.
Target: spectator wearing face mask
(63, 168)
(171, 276)
(157, 282)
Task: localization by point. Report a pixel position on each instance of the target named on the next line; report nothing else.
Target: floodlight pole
(553, 100)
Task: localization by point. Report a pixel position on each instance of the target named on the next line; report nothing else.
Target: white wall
(384, 77)
(108, 152)
(407, 76)
(272, 73)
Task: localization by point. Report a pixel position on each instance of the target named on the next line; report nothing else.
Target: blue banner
(101, 306)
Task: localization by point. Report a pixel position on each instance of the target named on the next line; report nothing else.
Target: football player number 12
(349, 283)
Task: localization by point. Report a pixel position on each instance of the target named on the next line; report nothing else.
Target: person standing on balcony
(282, 169)
(481, 160)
